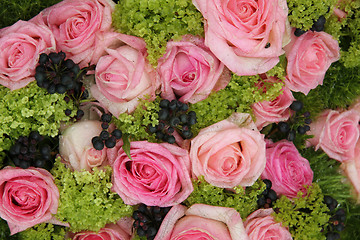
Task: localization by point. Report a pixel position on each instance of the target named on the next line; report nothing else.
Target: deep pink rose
(309, 57)
(202, 222)
(76, 148)
(247, 36)
(21, 45)
(352, 171)
(76, 25)
(288, 171)
(123, 75)
(157, 175)
(27, 197)
(190, 71)
(228, 153)
(277, 110)
(260, 225)
(336, 133)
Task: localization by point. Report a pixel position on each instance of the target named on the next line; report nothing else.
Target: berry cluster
(337, 220)
(295, 122)
(105, 138)
(267, 197)
(32, 151)
(173, 116)
(318, 26)
(148, 220)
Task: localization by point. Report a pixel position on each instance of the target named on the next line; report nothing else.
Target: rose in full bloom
(336, 133)
(247, 36)
(21, 45)
(202, 222)
(76, 148)
(277, 110)
(76, 26)
(260, 225)
(156, 174)
(352, 170)
(228, 153)
(123, 75)
(288, 171)
(190, 71)
(27, 197)
(308, 58)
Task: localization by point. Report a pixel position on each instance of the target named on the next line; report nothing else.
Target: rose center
(78, 25)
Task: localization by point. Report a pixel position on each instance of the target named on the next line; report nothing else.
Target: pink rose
(190, 71)
(288, 171)
(21, 45)
(76, 148)
(228, 153)
(27, 197)
(260, 225)
(202, 222)
(352, 171)
(157, 175)
(309, 57)
(277, 110)
(336, 133)
(247, 36)
(123, 76)
(76, 25)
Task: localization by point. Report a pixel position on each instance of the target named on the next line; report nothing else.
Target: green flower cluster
(305, 216)
(86, 200)
(242, 200)
(238, 96)
(157, 22)
(43, 231)
(303, 13)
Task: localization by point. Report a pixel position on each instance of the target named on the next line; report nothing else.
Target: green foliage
(303, 13)
(305, 216)
(13, 10)
(30, 108)
(137, 123)
(4, 230)
(43, 231)
(242, 200)
(157, 22)
(86, 201)
(352, 230)
(238, 96)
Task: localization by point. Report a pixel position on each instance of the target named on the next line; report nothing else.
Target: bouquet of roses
(181, 119)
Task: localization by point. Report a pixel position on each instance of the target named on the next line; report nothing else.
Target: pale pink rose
(76, 26)
(157, 175)
(123, 75)
(260, 225)
(21, 45)
(336, 133)
(247, 36)
(190, 71)
(352, 171)
(309, 57)
(76, 148)
(355, 106)
(202, 222)
(27, 197)
(277, 110)
(288, 171)
(228, 153)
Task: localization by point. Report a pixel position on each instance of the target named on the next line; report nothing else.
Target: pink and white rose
(229, 153)
(247, 36)
(27, 197)
(156, 174)
(277, 110)
(190, 71)
(336, 133)
(123, 75)
(202, 222)
(352, 171)
(260, 225)
(288, 171)
(308, 58)
(76, 148)
(76, 26)
(21, 45)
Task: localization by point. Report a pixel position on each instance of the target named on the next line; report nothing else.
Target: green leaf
(126, 145)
